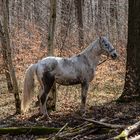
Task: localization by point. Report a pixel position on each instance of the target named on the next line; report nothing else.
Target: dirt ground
(114, 113)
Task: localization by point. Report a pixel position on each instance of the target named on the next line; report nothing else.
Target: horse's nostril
(114, 55)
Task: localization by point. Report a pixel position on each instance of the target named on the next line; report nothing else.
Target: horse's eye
(106, 45)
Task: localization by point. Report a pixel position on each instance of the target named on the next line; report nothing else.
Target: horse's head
(107, 47)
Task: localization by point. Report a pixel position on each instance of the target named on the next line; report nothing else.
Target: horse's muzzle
(114, 55)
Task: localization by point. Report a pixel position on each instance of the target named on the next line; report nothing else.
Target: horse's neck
(93, 53)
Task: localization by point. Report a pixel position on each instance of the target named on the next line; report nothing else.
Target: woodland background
(78, 23)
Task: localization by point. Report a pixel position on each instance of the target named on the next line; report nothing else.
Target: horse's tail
(28, 87)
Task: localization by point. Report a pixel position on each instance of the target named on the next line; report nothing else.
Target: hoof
(44, 117)
(33, 117)
(82, 112)
(84, 115)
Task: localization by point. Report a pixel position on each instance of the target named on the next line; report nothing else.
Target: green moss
(28, 130)
(122, 136)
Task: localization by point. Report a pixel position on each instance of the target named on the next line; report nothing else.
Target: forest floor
(106, 87)
(112, 112)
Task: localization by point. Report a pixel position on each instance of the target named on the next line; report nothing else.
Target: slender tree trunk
(96, 17)
(100, 16)
(91, 9)
(65, 21)
(114, 18)
(132, 78)
(51, 102)
(4, 54)
(5, 59)
(79, 14)
(5, 11)
(51, 27)
(107, 15)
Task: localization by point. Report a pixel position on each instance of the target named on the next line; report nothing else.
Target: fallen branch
(135, 138)
(28, 130)
(128, 131)
(102, 124)
(61, 129)
(85, 129)
(75, 131)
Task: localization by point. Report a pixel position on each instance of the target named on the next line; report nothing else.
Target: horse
(78, 69)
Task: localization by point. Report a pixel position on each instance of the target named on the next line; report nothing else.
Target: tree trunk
(132, 78)
(100, 16)
(8, 51)
(79, 15)
(65, 21)
(51, 102)
(114, 18)
(4, 54)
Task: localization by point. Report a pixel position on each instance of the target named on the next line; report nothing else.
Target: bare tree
(132, 78)
(114, 21)
(66, 8)
(51, 102)
(5, 59)
(100, 15)
(79, 15)
(6, 43)
(4, 54)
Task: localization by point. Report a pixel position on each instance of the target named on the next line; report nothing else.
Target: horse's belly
(67, 79)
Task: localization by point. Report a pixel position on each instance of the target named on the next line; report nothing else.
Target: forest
(82, 60)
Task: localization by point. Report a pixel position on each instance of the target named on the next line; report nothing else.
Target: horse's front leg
(84, 90)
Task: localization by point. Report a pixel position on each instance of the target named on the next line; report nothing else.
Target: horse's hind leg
(84, 91)
(47, 81)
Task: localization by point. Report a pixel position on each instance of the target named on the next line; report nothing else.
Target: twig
(77, 131)
(61, 129)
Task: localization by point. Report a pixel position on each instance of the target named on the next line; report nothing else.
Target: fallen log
(128, 131)
(28, 130)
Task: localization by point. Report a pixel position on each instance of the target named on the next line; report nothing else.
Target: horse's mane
(90, 46)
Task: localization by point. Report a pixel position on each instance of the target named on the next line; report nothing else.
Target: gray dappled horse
(78, 69)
